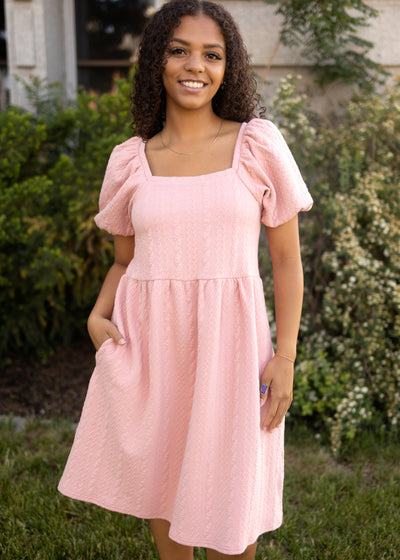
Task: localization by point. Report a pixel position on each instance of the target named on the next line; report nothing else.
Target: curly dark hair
(237, 100)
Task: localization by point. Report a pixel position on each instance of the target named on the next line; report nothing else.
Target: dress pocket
(103, 346)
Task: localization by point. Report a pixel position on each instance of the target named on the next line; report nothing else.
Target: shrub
(52, 256)
(20, 140)
(348, 372)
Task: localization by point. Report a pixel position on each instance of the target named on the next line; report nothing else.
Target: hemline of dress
(180, 540)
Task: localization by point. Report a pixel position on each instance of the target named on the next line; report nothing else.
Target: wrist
(96, 316)
(289, 356)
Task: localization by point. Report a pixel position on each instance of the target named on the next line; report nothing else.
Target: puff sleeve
(269, 171)
(117, 192)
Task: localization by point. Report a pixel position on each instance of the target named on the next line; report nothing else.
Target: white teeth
(195, 85)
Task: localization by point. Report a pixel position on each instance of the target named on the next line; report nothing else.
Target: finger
(273, 407)
(263, 393)
(279, 416)
(115, 334)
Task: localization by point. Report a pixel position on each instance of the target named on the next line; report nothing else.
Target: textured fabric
(171, 423)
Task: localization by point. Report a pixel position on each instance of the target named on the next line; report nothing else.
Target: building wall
(54, 40)
(260, 29)
(41, 42)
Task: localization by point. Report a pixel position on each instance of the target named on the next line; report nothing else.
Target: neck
(190, 126)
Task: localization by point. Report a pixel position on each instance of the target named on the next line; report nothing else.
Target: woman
(183, 421)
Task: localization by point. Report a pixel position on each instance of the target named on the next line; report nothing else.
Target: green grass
(345, 510)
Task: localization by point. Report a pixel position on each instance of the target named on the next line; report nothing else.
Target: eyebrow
(207, 46)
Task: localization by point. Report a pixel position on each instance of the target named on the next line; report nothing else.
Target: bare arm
(284, 247)
(99, 324)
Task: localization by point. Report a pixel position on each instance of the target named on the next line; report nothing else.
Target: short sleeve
(117, 192)
(269, 170)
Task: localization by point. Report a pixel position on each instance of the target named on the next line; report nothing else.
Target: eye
(213, 56)
(176, 51)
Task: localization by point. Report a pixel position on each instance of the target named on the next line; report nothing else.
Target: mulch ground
(56, 387)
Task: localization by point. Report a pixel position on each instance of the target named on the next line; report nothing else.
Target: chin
(191, 104)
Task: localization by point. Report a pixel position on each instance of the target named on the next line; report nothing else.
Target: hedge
(52, 256)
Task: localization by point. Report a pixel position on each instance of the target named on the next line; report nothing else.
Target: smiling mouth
(193, 85)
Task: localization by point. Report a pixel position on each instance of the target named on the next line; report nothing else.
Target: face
(195, 63)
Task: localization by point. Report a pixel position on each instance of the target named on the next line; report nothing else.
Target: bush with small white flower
(348, 366)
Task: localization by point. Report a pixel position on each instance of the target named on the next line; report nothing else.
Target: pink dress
(170, 427)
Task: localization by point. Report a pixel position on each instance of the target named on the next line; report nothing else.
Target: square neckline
(235, 160)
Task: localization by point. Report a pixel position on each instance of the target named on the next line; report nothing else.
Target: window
(107, 35)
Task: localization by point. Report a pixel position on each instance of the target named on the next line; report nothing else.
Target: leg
(167, 548)
(248, 554)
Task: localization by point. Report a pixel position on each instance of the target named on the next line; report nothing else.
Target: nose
(194, 63)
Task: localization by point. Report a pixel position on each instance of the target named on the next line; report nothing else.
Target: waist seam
(258, 277)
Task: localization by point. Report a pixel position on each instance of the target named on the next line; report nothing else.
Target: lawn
(345, 509)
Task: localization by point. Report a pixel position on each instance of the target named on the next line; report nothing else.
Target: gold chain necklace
(191, 153)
